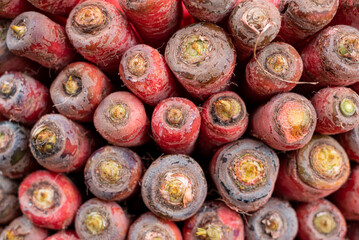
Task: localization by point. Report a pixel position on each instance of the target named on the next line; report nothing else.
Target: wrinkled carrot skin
(156, 84)
(255, 228)
(28, 103)
(347, 197)
(264, 123)
(22, 225)
(11, 8)
(215, 133)
(68, 198)
(353, 231)
(219, 215)
(155, 20)
(323, 62)
(350, 142)
(44, 41)
(115, 215)
(306, 213)
(64, 235)
(347, 14)
(261, 85)
(74, 144)
(62, 7)
(330, 120)
(95, 86)
(303, 18)
(9, 208)
(106, 46)
(180, 139)
(148, 221)
(133, 131)
(290, 185)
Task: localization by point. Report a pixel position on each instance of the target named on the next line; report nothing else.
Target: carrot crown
(175, 117)
(118, 113)
(195, 49)
(137, 64)
(324, 222)
(109, 171)
(347, 107)
(273, 225)
(211, 232)
(45, 139)
(277, 63)
(7, 90)
(72, 86)
(18, 30)
(227, 109)
(96, 223)
(348, 47)
(90, 19)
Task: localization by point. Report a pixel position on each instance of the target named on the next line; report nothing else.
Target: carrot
(144, 71)
(244, 173)
(78, 90)
(337, 110)
(350, 142)
(276, 69)
(174, 187)
(62, 7)
(35, 36)
(98, 219)
(347, 14)
(353, 231)
(12, 8)
(155, 20)
(22, 98)
(113, 173)
(64, 235)
(347, 197)
(16, 159)
(214, 221)
(49, 200)
(149, 226)
(59, 144)
(276, 220)
(253, 24)
(315, 171)
(175, 125)
(100, 33)
(22, 225)
(303, 18)
(202, 57)
(9, 207)
(121, 120)
(224, 119)
(286, 122)
(331, 58)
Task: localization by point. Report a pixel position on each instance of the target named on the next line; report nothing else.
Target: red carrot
(331, 58)
(59, 144)
(350, 142)
(64, 235)
(9, 207)
(78, 90)
(202, 57)
(277, 68)
(320, 220)
(318, 169)
(353, 231)
(16, 159)
(149, 226)
(12, 8)
(347, 14)
(113, 173)
(22, 228)
(98, 219)
(210, 11)
(276, 220)
(49, 200)
(214, 221)
(187, 19)
(22, 98)
(155, 20)
(244, 172)
(121, 119)
(224, 119)
(253, 24)
(35, 36)
(174, 187)
(286, 122)
(337, 110)
(303, 18)
(347, 197)
(175, 125)
(144, 71)
(100, 33)
(62, 7)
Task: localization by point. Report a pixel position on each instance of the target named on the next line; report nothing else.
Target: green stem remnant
(110, 171)
(174, 117)
(277, 63)
(43, 197)
(249, 171)
(45, 140)
(347, 107)
(324, 222)
(19, 31)
(210, 232)
(117, 113)
(4, 140)
(90, 19)
(137, 65)
(226, 109)
(72, 86)
(348, 47)
(96, 223)
(327, 161)
(195, 49)
(273, 225)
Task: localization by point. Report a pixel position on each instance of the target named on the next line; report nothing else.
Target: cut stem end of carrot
(45, 140)
(249, 171)
(273, 225)
(327, 161)
(211, 232)
(96, 223)
(174, 117)
(19, 31)
(324, 222)
(110, 171)
(137, 65)
(277, 64)
(90, 19)
(118, 113)
(227, 109)
(347, 107)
